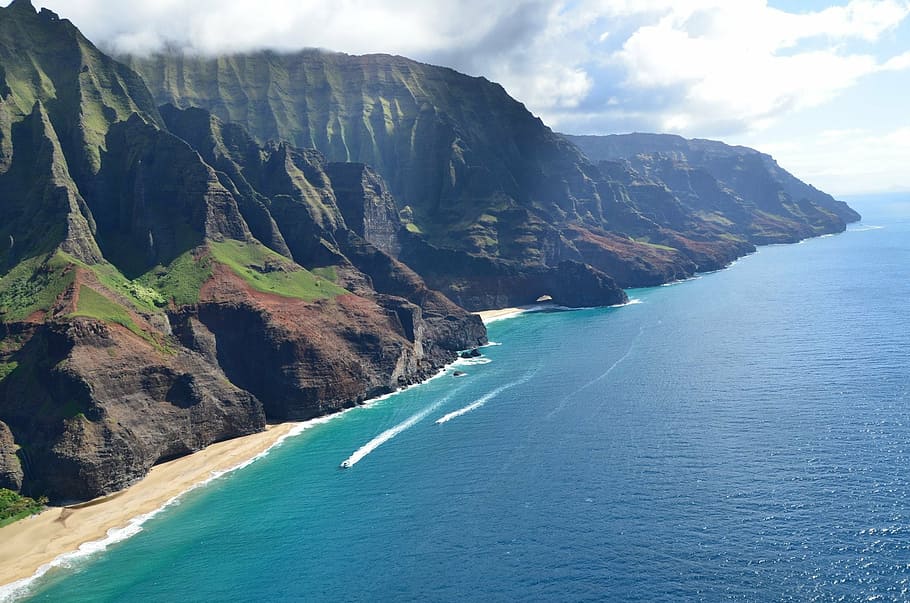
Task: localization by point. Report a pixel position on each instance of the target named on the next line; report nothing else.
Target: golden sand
(31, 543)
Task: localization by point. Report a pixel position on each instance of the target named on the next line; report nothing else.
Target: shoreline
(36, 544)
(60, 535)
(488, 316)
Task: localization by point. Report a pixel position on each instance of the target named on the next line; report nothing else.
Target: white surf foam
(507, 316)
(373, 402)
(689, 279)
(864, 228)
(20, 588)
(472, 361)
(482, 400)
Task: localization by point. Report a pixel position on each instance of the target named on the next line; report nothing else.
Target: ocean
(741, 436)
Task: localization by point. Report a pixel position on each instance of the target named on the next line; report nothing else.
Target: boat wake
(601, 377)
(482, 400)
(390, 433)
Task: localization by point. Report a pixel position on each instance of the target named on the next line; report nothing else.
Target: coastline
(488, 316)
(36, 544)
(57, 536)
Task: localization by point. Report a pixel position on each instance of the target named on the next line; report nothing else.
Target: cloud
(747, 62)
(696, 67)
(850, 161)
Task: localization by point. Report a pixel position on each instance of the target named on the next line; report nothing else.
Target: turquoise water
(742, 436)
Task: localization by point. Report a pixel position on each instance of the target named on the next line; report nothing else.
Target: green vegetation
(34, 285)
(14, 507)
(94, 305)
(269, 272)
(6, 368)
(329, 273)
(142, 297)
(645, 241)
(180, 281)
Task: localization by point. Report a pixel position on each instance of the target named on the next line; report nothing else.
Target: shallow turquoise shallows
(742, 436)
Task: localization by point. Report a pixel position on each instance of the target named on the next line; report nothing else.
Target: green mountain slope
(167, 282)
(476, 177)
(752, 181)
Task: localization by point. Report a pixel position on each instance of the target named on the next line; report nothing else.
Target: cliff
(760, 200)
(169, 283)
(202, 245)
(481, 182)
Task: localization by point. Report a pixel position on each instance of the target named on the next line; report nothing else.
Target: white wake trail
(599, 378)
(390, 433)
(482, 400)
(463, 411)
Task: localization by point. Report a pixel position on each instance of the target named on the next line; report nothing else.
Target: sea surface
(742, 436)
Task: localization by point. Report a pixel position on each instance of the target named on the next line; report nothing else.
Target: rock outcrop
(10, 466)
(270, 237)
(476, 174)
(170, 283)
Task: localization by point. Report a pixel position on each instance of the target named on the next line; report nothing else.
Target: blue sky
(821, 85)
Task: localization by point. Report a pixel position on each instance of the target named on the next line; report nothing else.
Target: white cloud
(711, 68)
(845, 162)
(741, 64)
(701, 66)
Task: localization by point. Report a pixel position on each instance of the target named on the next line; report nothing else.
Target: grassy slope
(14, 507)
(33, 285)
(94, 305)
(266, 271)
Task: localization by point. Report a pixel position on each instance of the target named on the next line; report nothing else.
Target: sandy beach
(32, 543)
(29, 545)
(488, 316)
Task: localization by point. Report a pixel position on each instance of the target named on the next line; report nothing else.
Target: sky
(822, 85)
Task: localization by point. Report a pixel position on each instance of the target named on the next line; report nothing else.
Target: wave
(507, 316)
(473, 361)
(390, 433)
(864, 228)
(679, 281)
(373, 402)
(482, 400)
(20, 588)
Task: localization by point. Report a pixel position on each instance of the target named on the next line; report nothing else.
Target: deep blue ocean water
(743, 436)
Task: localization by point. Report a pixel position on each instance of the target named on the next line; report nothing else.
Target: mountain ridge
(140, 319)
(181, 268)
(481, 177)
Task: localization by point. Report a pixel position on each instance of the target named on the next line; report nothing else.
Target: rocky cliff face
(168, 282)
(10, 466)
(476, 175)
(270, 237)
(737, 182)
